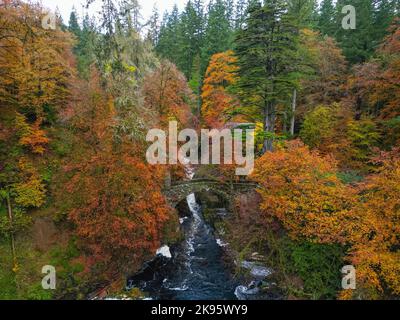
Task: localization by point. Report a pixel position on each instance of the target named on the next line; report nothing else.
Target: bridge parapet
(178, 191)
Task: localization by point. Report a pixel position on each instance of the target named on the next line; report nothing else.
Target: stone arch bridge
(178, 191)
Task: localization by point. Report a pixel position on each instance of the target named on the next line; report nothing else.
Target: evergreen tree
(359, 44)
(190, 33)
(384, 15)
(154, 27)
(73, 25)
(327, 18)
(86, 46)
(131, 16)
(266, 49)
(301, 12)
(218, 33)
(230, 12)
(168, 45)
(240, 13)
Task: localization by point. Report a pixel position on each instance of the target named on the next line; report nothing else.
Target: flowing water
(196, 270)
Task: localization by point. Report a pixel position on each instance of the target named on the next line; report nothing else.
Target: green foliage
(7, 277)
(85, 42)
(350, 177)
(266, 50)
(20, 222)
(218, 35)
(319, 267)
(69, 282)
(327, 18)
(318, 126)
(363, 136)
(36, 292)
(372, 21)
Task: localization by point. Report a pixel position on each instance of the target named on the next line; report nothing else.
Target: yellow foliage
(31, 136)
(31, 191)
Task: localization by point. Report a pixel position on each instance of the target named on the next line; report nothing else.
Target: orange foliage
(324, 55)
(166, 92)
(375, 230)
(118, 208)
(300, 189)
(217, 102)
(375, 85)
(114, 199)
(31, 136)
(92, 111)
(389, 87)
(35, 63)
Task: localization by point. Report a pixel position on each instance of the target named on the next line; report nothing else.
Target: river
(196, 270)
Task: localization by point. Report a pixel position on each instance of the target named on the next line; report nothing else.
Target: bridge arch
(180, 190)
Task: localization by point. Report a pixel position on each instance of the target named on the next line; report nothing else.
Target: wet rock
(183, 209)
(151, 274)
(257, 271)
(260, 272)
(259, 290)
(245, 293)
(165, 252)
(221, 243)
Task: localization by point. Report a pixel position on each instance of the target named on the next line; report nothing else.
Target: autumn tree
(114, 198)
(375, 236)
(333, 130)
(36, 67)
(166, 93)
(301, 190)
(326, 73)
(35, 62)
(373, 88)
(117, 208)
(218, 104)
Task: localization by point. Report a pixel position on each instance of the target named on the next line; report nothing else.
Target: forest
(77, 100)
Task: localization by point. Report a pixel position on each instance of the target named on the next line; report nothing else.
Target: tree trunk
(293, 118)
(10, 216)
(269, 127)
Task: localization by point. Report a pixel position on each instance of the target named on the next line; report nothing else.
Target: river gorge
(199, 267)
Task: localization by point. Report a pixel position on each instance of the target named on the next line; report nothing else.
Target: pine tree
(327, 18)
(301, 12)
(85, 49)
(190, 36)
(154, 27)
(359, 44)
(131, 16)
(240, 13)
(73, 25)
(218, 33)
(385, 13)
(230, 12)
(266, 49)
(168, 46)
